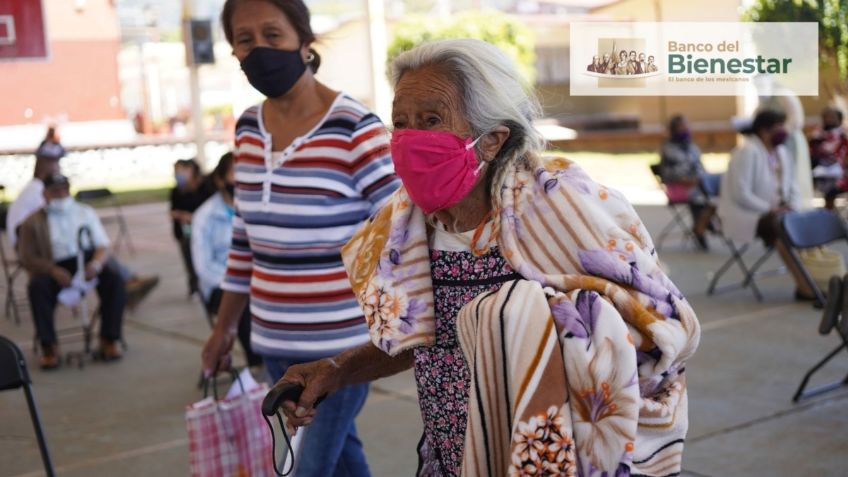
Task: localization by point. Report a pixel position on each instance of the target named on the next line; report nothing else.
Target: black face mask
(231, 189)
(271, 71)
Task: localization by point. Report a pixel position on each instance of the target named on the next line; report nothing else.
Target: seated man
(31, 200)
(48, 251)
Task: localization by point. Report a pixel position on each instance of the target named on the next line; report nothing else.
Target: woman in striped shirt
(311, 165)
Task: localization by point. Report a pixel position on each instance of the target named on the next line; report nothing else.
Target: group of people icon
(631, 64)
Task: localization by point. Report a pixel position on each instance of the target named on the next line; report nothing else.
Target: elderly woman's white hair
(493, 94)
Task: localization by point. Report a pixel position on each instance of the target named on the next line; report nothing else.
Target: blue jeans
(331, 445)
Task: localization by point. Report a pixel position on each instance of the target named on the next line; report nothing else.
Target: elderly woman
(544, 337)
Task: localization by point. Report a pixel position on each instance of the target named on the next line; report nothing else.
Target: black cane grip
(283, 392)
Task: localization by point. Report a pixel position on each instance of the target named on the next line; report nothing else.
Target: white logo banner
(693, 59)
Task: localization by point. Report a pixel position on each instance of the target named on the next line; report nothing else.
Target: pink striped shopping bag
(229, 437)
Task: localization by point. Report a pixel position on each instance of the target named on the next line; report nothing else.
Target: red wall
(76, 84)
(28, 24)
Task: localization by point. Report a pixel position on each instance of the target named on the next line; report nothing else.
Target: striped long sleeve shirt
(295, 209)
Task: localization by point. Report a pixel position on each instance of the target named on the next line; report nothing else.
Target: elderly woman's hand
(318, 378)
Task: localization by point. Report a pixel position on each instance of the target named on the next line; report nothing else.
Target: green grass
(135, 196)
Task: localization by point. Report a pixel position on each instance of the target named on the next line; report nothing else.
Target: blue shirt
(211, 234)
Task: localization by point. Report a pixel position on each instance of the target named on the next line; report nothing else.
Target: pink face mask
(437, 168)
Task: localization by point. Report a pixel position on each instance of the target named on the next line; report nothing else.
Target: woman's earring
(310, 58)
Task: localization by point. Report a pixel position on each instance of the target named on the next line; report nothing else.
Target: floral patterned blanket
(578, 368)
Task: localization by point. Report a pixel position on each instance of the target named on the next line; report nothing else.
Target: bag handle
(214, 380)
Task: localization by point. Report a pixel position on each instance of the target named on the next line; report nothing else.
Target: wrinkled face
(260, 23)
(641, 57)
(429, 99)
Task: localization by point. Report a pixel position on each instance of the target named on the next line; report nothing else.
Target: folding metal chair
(749, 273)
(117, 215)
(677, 196)
(12, 269)
(710, 185)
(808, 229)
(833, 318)
(14, 375)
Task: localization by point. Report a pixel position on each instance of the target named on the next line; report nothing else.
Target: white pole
(194, 85)
(378, 43)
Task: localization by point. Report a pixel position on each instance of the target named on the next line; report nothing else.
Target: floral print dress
(441, 372)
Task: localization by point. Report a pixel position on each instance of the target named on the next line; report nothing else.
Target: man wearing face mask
(31, 200)
(212, 233)
(759, 187)
(829, 150)
(48, 249)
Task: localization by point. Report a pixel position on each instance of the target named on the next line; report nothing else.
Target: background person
(31, 199)
(311, 165)
(191, 191)
(212, 234)
(829, 152)
(776, 97)
(48, 250)
(681, 170)
(759, 187)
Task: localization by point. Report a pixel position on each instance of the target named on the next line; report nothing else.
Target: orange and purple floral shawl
(578, 368)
